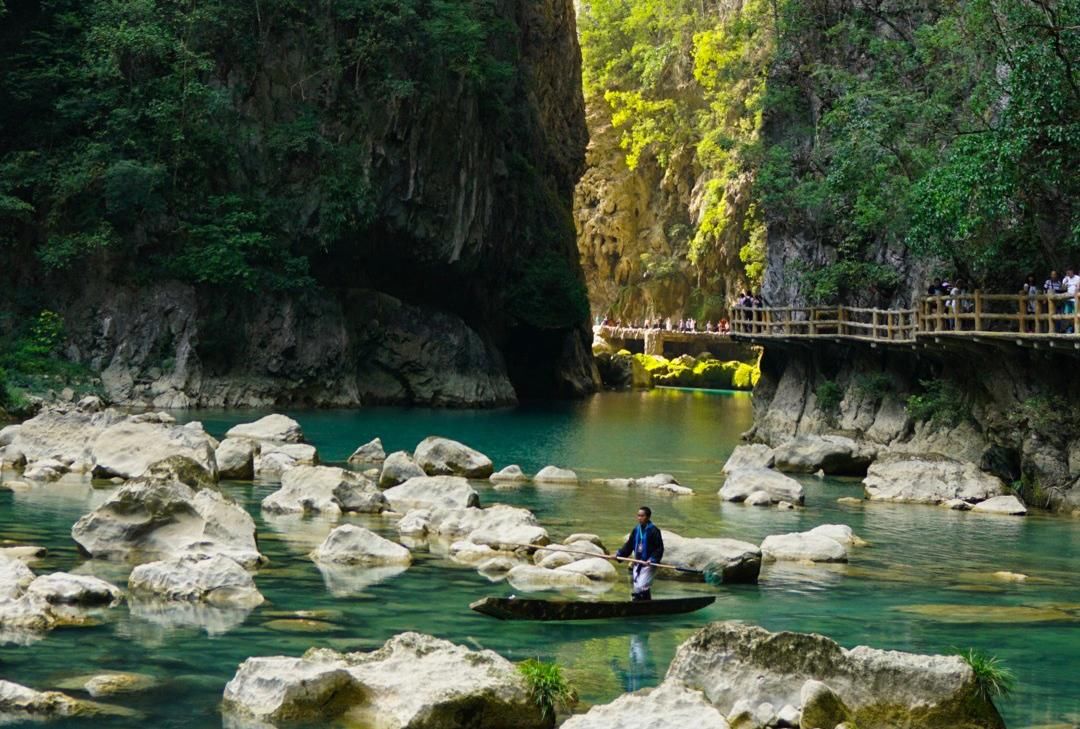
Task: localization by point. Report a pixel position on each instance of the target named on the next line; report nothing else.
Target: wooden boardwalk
(1035, 321)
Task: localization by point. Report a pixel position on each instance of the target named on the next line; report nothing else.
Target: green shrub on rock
(991, 677)
(547, 685)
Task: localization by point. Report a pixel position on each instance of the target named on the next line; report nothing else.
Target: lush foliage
(873, 385)
(946, 130)
(705, 373)
(216, 142)
(992, 678)
(940, 403)
(547, 685)
(829, 395)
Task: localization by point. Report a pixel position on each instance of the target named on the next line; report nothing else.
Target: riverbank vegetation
(547, 685)
(623, 369)
(946, 131)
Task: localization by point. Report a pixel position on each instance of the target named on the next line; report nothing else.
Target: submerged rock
(424, 492)
(216, 580)
(663, 482)
(928, 479)
(500, 526)
(803, 546)
(353, 545)
(530, 578)
(18, 702)
(729, 560)
(668, 705)
(510, 474)
(109, 683)
(1008, 504)
(147, 520)
(554, 474)
(324, 490)
(445, 457)
(740, 483)
(414, 681)
(370, 452)
(398, 468)
(732, 661)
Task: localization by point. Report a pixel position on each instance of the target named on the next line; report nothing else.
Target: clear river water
(924, 584)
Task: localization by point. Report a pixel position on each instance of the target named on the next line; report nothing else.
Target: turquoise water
(923, 585)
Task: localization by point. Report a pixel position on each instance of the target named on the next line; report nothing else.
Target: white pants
(642, 576)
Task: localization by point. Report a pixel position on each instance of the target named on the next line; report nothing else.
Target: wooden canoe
(516, 608)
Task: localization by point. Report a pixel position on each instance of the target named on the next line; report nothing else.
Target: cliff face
(432, 219)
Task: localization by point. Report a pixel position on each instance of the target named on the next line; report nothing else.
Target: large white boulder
(732, 661)
(501, 527)
(66, 435)
(424, 492)
(595, 568)
(413, 681)
(62, 588)
(216, 580)
(236, 458)
(370, 452)
(833, 454)
(554, 474)
(1007, 504)
(726, 560)
(128, 448)
(803, 547)
(928, 479)
(354, 545)
(324, 490)
(272, 428)
(740, 483)
(398, 468)
(530, 578)
(15, 577)
(755, 455)
(8, 433)
(668, 705)
(445, 457)
(31, 605)
(148, 520)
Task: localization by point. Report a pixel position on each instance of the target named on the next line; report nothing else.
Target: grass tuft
(992, 678)
(548, 686)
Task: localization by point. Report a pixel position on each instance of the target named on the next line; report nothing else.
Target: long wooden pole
(612, 557)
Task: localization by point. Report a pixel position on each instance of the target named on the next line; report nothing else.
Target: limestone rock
(398, 468)
(216, 580)
(414, 681)
(19, 702)
(557, 555)
(510, 474)
(668, 705)
(370, 452)
(833, 454)
(15, 577)
(8, 433)
(1007, 504)
(595, 568)
(803, 547)
(755, 455)
(529, 578)
(324, 490)
(62, 588)
(584, 537)
(729, 559)
(271, 466)
(957, 505)
(236, 458)
(821, 706)
(302, 454)
(109, 683)
(841, 533)
(928, 479)
(741, 483)
(128, 448)
(445, 457)
(432, 492)
(62, 434)
(147, 520)
(730, 661)
(553, 474)
(353, 545)
(272, 428)
(500, 527)
(759, 498)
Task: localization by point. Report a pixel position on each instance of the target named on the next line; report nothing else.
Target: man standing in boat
(645, 544)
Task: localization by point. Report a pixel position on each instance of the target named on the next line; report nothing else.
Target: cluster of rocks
(31, 605)
(738, 676)
(728, 675)
(754, 475)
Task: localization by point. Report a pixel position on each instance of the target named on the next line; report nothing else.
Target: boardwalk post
(978, 310)
(939, 324)
(841, 330)
(874, 331)
(1076, 313)
(888, 320)
(1022, 324)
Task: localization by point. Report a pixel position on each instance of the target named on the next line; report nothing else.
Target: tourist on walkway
(1071, 285)
(646, 544)
(1031, 290)
(1053, 287)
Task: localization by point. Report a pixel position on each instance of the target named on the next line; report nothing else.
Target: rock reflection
(158, 618)
(352, 580)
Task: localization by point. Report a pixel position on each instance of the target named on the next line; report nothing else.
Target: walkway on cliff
(1050, 321)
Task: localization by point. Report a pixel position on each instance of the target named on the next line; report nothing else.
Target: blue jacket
(652, 549)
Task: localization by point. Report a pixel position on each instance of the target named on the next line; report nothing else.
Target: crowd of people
(667, 324)
(1054, 286)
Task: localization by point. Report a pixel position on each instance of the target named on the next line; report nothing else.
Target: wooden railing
(964, 314)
